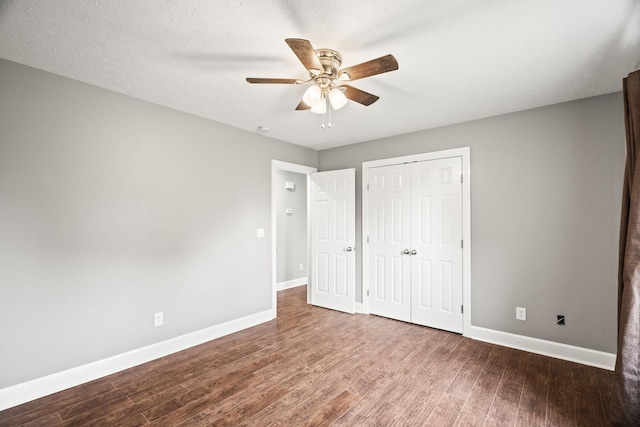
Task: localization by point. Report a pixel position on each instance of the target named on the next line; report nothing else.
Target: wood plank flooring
(317, 367)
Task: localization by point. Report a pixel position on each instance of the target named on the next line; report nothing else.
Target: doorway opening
(290, 226)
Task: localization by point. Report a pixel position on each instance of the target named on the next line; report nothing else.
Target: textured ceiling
(459, 59)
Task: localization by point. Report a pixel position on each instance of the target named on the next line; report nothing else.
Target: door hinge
(367, 239)
(462, 309)
(367, 292)
(461, 178)
(462, 243)
(367, 186)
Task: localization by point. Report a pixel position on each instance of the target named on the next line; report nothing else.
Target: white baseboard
(39, 387)
(599, 359)
(291, 283)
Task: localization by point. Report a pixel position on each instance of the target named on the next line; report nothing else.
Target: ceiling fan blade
(306, 54)
(274, 81)
(370, 68)
(302, 106)
(359, 96)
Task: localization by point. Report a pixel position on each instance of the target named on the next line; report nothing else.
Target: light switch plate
(260, 232)
(158, 319)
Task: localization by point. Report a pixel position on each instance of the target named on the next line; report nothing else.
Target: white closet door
(436, 238)
(333, 218)
(389, 238)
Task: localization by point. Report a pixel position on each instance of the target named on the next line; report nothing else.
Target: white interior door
(436, 243)
(333, 263)
(389, 242)
(415, 242)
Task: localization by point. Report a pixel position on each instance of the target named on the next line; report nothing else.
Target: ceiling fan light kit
(324, 70)
(320, 107)
(316, 96)
(312, 96)
(337, 98)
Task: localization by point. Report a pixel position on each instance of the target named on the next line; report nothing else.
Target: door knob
(414, 252)
(349, 249)
(406, 252)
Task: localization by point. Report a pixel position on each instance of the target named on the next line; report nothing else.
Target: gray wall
(112, 209)
(291, 229)
(546, 189)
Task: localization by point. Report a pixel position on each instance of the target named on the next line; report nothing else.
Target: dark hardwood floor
(313, 367)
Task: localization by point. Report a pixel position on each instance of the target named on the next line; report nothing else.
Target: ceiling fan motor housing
(330, 60)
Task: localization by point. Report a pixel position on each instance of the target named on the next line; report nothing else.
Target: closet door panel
(436, 223)
(389, 237)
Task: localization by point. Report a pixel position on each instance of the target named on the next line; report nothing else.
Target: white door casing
(291, 167)
(333, 240)
(439, 274)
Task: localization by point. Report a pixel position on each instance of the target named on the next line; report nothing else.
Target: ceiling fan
(328, 79)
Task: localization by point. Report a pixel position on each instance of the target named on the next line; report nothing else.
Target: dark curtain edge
(625, 405)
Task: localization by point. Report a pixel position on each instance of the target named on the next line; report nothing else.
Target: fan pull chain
(323, 114)
(322, 99)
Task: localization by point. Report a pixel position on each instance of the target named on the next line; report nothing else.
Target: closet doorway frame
(465, 154)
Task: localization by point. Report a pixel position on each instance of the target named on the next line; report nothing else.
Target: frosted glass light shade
(312, 96)
(320, 107)
(337, 99)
